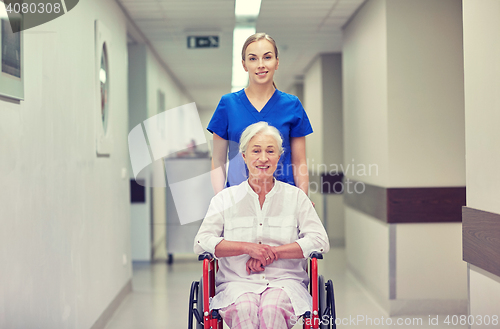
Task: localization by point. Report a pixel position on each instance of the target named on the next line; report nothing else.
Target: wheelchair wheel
(322, 304)
(199, 304)
(193, 292)
(330, 300)
(196, 312)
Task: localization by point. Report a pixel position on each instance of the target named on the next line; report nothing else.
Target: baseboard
(113, 306)
(427, 306)
(398, 307)
(372, 292)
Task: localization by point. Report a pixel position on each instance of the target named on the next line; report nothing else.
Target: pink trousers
(270, 310)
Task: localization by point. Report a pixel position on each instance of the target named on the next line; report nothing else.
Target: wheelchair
(322, 315)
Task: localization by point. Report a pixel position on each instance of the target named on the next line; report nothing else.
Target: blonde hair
(256, 37)
(263, 128)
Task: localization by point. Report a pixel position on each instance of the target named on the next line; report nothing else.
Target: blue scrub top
(235, 113)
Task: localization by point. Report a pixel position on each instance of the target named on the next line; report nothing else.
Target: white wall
(205, 116)
(403, 111)
(322, 94)
(481, 58)
(416, 274)
(364, 69)
(65, 212)
(333, 137)
(364, 61)
(333, 141)
(147, 78)
(367, 245)
(313, 104)
(297, 89)
(484, 291)
(426, 117)
(159, 79)
(137, 96)
(323, 104)
(425, 94)
(140, 213)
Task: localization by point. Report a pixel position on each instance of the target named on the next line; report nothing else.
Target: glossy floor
(160, 298)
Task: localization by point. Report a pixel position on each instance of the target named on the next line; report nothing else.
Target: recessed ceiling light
(246, 12)
(3, 12)
(240, 77)
(247, 8)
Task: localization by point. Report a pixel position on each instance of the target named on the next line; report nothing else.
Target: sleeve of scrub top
(300, 125)
(219, 122)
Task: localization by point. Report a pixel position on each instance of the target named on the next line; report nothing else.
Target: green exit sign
(211, 41)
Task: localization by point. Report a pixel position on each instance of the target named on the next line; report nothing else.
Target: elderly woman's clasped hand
(260, 257)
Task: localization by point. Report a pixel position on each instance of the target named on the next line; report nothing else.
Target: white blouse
(287, 216)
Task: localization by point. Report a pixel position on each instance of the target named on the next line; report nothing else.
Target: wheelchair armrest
(316, 255)
(205, 255)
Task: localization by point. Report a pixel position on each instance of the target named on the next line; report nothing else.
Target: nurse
(259, 101)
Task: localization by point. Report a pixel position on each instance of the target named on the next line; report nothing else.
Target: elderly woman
(261, 231)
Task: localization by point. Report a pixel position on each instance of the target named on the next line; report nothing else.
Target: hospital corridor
(249, 164)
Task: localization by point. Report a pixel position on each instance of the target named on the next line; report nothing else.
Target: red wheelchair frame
(322, 315)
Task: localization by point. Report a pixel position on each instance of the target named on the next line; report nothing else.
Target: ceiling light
(247, 8)
(240, 77)
(246, 13)
(3, 12)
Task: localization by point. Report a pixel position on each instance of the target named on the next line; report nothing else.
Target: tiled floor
(161, 296)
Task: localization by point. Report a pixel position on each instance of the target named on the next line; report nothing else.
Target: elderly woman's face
(262, 156)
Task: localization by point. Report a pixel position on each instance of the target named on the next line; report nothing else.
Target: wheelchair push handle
(316, 254)
(205, 255)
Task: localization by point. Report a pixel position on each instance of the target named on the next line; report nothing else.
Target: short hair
(263, 128)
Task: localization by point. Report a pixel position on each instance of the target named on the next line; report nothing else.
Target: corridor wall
(481, 218)
(140, 212)
(65, 237)
(160, 80)
(65, 240)
(148, 77)
(322, 100)
(404, 119)
(297, 89)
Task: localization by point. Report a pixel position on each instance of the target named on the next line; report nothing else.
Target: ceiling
(302, 29)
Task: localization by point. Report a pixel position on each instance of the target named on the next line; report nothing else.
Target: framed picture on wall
(11, 56)
(103, 96)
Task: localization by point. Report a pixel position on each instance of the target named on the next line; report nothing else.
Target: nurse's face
(262, 157)
(260, 62)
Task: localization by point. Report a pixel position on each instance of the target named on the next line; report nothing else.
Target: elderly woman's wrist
(245, 248)
(276, 252)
